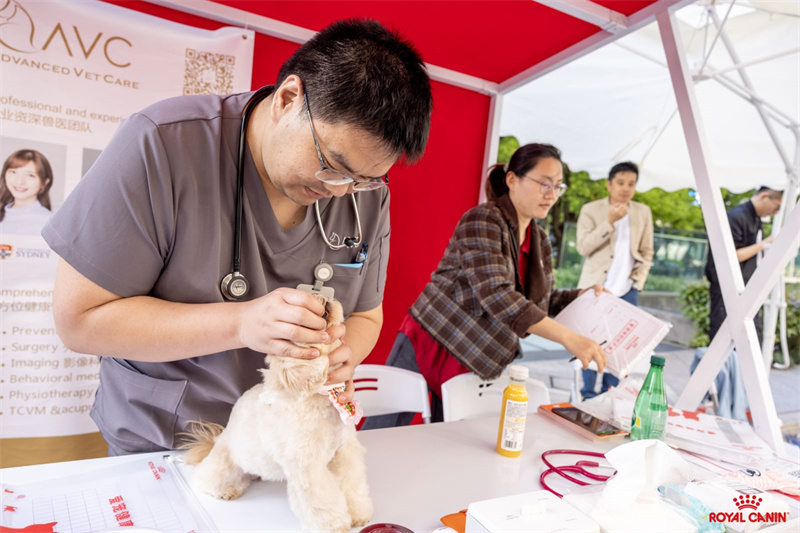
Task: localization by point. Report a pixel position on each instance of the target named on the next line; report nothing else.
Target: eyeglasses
(545, 187)
(333, 177)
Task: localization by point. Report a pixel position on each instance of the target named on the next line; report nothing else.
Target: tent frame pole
(701, 74)
(776, 299)
(602, 17)
(492, 146)
(738, 329)
(757, 102)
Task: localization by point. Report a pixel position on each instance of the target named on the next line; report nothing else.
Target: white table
(417, 474)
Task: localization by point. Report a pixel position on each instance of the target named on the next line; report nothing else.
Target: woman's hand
(598, 290)
(586, 350)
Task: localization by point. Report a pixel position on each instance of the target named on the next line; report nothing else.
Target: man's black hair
(357, 72)
(625, 166)
(773, 193)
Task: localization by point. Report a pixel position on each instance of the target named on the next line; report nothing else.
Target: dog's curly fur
(298, 436)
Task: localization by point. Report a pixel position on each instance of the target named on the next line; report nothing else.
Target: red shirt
(524, 249)
(435, 363)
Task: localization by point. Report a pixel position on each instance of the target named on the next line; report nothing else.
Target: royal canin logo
(748, 501)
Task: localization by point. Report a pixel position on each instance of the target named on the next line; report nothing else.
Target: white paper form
(626, 333)
(139, 494)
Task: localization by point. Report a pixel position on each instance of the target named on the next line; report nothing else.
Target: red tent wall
(427, 198)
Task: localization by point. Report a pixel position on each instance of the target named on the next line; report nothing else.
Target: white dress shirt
(618, 279)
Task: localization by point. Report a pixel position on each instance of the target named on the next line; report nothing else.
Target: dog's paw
(361, 511)
(229, 493)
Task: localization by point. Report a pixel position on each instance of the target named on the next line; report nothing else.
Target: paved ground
(552, 367)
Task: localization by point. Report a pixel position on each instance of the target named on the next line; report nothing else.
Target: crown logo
(747, 502)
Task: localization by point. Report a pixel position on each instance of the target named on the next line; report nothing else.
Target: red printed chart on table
(626, 333)
(140, 494)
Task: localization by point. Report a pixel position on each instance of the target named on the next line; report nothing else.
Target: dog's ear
(300, 375)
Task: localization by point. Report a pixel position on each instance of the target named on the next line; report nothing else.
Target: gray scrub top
(154, 216)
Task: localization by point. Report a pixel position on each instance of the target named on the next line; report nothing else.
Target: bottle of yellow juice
(514, 413)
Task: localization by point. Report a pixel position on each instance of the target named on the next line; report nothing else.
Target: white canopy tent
(618, 104)
(615, 104)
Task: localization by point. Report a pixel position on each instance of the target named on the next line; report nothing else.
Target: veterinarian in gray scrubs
(148, 235)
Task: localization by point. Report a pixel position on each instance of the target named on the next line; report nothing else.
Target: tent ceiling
(492, 40)
(630, 113)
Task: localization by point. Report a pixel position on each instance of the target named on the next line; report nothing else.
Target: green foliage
(508, 145)
(695, 307)
(694, 304)
(658, 283)
(677, 209)
(567, 277)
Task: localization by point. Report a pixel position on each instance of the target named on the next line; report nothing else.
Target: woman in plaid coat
(493, 285)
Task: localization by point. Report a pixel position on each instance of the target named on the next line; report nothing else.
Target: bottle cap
(518, 372)
(657, 360)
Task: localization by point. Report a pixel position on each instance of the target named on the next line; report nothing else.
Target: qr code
(208, 73)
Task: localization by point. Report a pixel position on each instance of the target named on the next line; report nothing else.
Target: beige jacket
(596, 242)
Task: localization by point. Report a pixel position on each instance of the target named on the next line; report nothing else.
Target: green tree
(580, 190)
(508, 145)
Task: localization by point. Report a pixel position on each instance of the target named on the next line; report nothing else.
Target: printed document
(626, 333)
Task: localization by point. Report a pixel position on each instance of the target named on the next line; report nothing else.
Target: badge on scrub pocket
(322, 272)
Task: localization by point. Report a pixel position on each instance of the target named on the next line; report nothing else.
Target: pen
(575, 358)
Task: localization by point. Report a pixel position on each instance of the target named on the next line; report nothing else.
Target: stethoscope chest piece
(234, 286)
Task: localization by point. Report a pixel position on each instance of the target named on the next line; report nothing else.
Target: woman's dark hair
(359, 73)
(21, 158)
(524, 159)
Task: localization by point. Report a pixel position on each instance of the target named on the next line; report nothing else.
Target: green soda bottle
(649, 420)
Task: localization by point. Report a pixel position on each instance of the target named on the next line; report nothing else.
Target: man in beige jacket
(615, 234)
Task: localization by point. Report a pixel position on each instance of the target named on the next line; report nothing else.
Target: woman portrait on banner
(494, 285)
(25, 193)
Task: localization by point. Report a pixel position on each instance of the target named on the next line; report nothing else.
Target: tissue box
(531, 512)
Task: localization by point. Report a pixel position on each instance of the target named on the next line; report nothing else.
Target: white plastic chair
(577, 382)
(468, 396)
(383, 390)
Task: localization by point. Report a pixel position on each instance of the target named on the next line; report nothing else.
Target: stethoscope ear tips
(234, 286)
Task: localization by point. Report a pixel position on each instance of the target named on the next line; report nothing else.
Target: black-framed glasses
(546, 187)
(332, 176)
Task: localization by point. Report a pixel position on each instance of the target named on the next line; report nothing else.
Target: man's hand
(598, 290)
(617, 212)
(273, 323)
(586, 350)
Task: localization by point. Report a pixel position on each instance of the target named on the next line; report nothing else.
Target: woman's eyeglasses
(545, 187)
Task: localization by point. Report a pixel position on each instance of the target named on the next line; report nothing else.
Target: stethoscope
(234, 286)
(577, 468)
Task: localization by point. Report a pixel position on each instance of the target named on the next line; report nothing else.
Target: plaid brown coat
(474, 305)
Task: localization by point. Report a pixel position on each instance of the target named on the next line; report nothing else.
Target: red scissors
(577, 468)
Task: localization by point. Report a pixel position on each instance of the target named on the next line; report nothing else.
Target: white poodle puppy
(288, 428)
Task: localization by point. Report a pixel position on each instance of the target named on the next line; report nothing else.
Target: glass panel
(679, 259)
